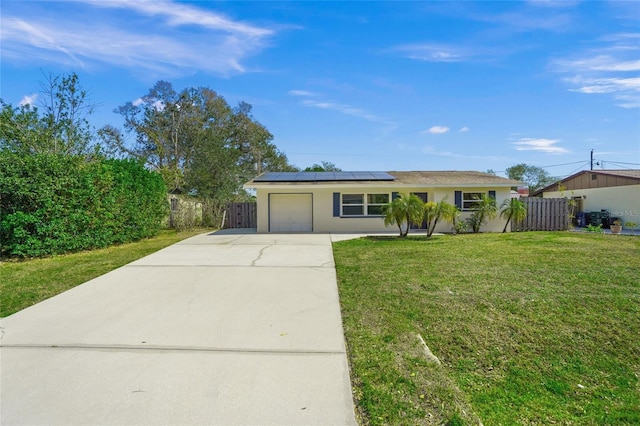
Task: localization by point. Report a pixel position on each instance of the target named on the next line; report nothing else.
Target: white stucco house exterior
(352, 201)
(617, 191)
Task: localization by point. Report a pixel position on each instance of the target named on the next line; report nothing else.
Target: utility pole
(592, 159)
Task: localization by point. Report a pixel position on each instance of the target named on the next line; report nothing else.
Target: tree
(61, 127)
(163, 122)
(257, 153)
(436, 211)
(324, 166)
(405, 209)
(21, 129)
(178, 133)
(199, 143)
(535, 177)
(485, 209)
(512, 209)
(66, 108)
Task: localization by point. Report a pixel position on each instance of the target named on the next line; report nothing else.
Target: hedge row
(52, 204)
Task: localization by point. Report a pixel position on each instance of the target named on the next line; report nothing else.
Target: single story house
(617, 191)
(353, 201)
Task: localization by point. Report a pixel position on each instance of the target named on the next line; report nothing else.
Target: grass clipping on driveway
(530, 328)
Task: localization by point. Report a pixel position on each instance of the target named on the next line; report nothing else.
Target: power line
(619, 162)
(583, 163)
(620, 165)
(564, 164)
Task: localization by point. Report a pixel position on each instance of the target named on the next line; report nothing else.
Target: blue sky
(365, 85)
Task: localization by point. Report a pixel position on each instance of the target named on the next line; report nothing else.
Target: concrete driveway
(217, 329)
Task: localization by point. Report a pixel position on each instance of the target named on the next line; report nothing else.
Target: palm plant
(436, 211)
(431, 216)
(450, 213)
(512, 209)
(395, 213)
(404, 209)
(485, 209)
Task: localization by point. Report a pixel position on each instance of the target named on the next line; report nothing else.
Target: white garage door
(290, 213)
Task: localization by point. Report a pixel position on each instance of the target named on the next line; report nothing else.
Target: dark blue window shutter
(394, 195)
(492, 194)
(336, 204)
(459, 199)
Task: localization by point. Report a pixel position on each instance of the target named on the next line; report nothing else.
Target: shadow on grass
(409, 238)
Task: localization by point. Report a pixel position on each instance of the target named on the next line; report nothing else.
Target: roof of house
(633, 174)
(394, 178)
(439, 178)
(323, 176)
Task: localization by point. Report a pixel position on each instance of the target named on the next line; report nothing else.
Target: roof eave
(256, 185)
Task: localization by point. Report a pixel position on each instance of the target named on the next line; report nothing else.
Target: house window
(174, 204)
(352, 204)
(470, 200)
(364, 204)
(376, 203)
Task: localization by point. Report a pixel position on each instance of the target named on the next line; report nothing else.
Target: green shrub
(594, 228)
(52, 204)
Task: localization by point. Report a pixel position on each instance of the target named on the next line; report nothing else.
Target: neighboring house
(353, 201)
(617, 191)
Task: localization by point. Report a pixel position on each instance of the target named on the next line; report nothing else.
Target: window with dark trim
(363, 204)
(352, 204)
(470, 200)
(376, 203)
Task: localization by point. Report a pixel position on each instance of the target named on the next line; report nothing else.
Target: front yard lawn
(27, 282)
(530, 328)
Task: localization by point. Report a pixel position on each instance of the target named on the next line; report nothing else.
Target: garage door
(290, 213)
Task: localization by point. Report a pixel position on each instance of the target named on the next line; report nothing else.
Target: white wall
(323, 220)
(621, 201)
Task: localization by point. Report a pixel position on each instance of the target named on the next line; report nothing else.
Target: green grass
(531, 328)
(25, 283)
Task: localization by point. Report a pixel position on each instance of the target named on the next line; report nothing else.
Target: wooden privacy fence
(544, 214)
(241, 215)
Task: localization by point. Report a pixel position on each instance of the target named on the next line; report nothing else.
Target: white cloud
(347, 110)
(433, 52)
(313, 100)
(437, 130)
(178, 14)
(464, 129)
(554, 4)
(600, 63)
(542, 145)
(531, 19)
(29, 100)
(33, 37)
(610, 69)
(154, 44)
(434, 152)
(301, 93)
(627, 101)
(158, 105)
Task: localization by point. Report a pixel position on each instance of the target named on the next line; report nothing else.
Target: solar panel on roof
(323, 176)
